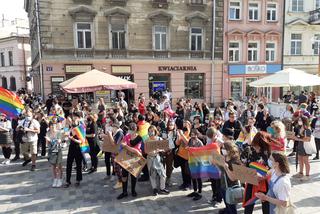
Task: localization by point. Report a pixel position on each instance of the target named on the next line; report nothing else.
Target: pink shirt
(127, 140)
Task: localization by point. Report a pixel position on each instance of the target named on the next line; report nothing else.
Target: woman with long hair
(279, 185)
(92, 138)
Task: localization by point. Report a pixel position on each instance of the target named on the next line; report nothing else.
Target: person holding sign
(132, 142)
(278, 195)
(259, 152)
(156, 169)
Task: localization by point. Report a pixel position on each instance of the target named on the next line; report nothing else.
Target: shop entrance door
(158, 83)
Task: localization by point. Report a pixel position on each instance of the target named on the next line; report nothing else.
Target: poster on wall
(159, 86)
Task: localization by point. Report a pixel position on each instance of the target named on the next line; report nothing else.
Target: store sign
(121, 69)
(126, 77)
(177, 68)
(256, 69)
(49, 68)
(77, 68)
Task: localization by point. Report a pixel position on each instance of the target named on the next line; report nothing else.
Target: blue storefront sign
(254, 69)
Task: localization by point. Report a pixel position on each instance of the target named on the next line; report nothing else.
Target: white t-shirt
(32, 136)
(282, 188)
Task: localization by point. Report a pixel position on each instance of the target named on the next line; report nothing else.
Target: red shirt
(142, 109)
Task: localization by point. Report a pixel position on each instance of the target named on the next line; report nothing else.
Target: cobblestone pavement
(22, 191)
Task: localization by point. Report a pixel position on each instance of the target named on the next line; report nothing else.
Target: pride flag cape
(143, 127)
(260, 168)
(80, 132)
(10, 103)
(199, 162)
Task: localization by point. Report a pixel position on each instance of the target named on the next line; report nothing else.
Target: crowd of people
(242, 132)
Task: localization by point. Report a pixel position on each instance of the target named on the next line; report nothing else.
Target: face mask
(269, 163)
(300, 123)
(151, 134)
(224, 152)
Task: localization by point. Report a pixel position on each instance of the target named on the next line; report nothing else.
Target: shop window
(194, 86)
(84, 35)
(4, 83)
(157, 84)
(236, 89)
(13, 85)
(251, 90)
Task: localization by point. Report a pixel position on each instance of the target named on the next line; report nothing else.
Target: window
(234, 11)
(254, 12)
(236, 88)
(196, 1)
(234, 52)
(13, 86)
(84, 35)
(194, 84)
(158, 83)
(196, 39)
(10, 58)
(2, 59)
(251, 90)
(4, 83)
(271, 12)
(253, 52)
(297, 5)
(317, 4)
(270, 52)
(118, 36)
(296, 44)
(160, 37)
(316, 44)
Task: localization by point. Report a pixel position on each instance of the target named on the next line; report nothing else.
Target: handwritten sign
(217, 159)
(109, 147)
(131, 162)
(153, 145)
(245, 174)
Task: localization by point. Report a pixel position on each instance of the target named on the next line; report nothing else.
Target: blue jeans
(230, 208)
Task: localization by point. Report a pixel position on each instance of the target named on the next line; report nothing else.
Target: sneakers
(92, 170)
(15, 158)
(6, 162)
(305, 178)
(26, 162)
(33, 168)
(155, 192)
(164, 192)
(298, 175)
(197, 197)
(118, 185)
(66, 185)
(122, 195)
(54, 184)
(134, 194)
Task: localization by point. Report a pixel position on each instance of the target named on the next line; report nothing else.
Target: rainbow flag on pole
(200, 164)
(80, 132)
(260, 168)
(10, 103)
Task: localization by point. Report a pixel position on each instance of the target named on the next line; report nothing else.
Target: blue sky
(12, 9)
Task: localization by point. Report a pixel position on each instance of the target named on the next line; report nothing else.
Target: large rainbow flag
(80, 132)
(10, 103)
(199, 162)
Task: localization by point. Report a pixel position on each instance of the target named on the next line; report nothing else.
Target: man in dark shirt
(233, 124)
(288, 97)
(67, 106)
(302, 98)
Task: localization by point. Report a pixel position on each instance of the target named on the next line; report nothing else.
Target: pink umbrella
(95, 80)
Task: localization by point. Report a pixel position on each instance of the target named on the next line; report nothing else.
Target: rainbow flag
(51, 116)
(260, 168)
(10, 103)
(200, 164)
(143, 127)
(80, 132)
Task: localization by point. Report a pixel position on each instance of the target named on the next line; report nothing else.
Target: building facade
(302, 35)
(15, 55)
(253, 40)
(158, 44)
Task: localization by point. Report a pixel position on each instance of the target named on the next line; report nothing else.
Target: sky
(12, 9)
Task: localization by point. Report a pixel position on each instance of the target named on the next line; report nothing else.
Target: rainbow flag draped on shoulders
(10, 103)
(80, 132)
(200, 164)
(143, 127)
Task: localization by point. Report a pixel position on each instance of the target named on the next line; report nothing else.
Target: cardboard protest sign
(217, 159)
(153, 145)
(109, 147)
(131, 162)
(245, 174)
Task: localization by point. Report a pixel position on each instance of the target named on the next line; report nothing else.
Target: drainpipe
(24, 62)
(39, 48)
(213, 49)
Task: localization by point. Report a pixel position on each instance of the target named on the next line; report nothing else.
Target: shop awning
(95, 80)
(287, 78)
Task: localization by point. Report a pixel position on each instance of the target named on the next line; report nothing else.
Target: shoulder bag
(310, 147)
(234, 195)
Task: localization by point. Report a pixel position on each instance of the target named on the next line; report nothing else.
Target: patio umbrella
(95, 80)
(287, 78)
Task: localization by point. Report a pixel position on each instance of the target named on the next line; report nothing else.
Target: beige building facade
(158, 44)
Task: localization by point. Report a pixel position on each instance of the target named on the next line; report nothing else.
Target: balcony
(160, 3)
(83, 1)
(119, 2)
(314, 17)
